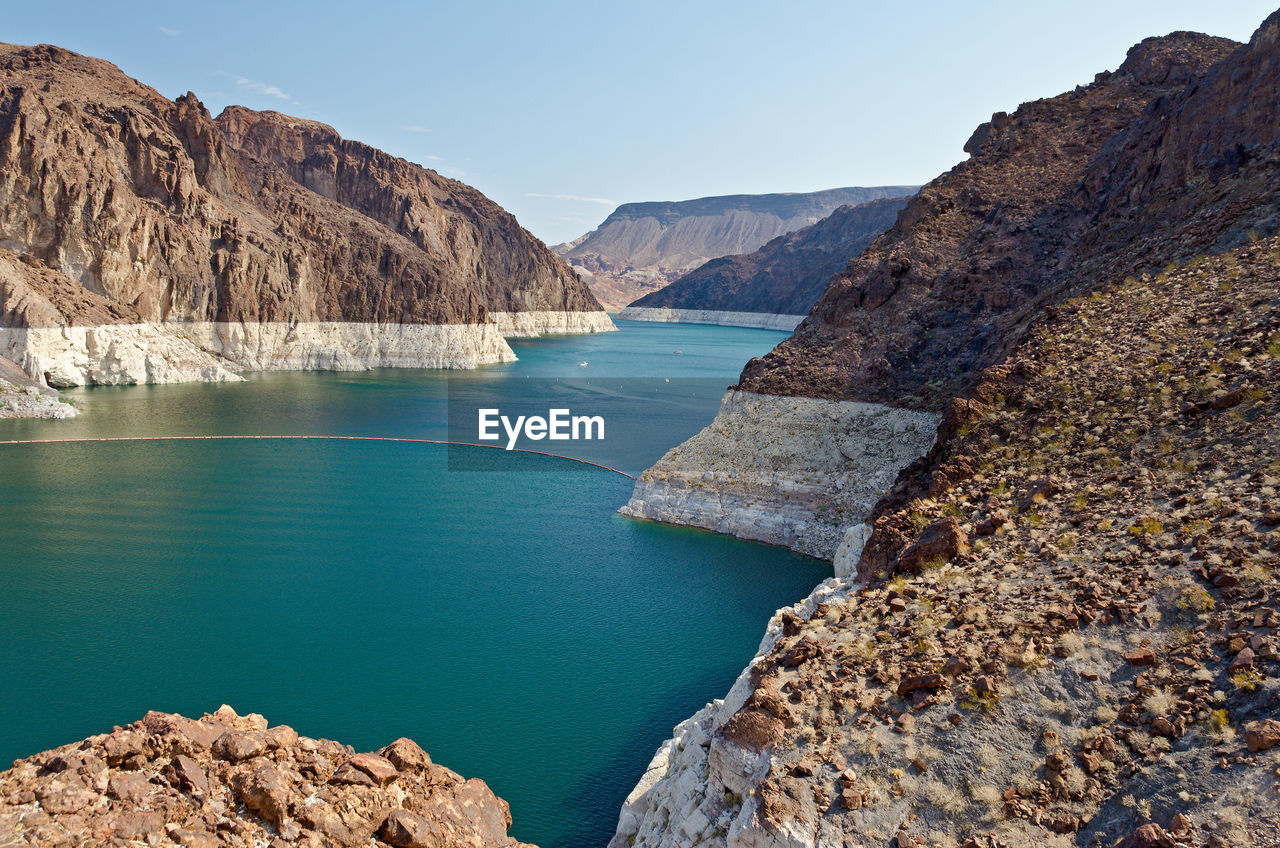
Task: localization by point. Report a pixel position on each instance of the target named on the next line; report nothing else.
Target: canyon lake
(504, 618)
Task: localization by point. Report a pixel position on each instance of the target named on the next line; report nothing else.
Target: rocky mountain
(230, 780)
(642, 247)
(1058, 626)
(787, 275)
(161, 244)
(1057, 194)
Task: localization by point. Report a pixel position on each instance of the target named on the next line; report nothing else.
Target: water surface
(507, 620)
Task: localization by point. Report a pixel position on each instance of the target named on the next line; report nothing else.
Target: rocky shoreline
(127, 354)
(813, 472)
(28, 401)
(1078, 642)
(533, 323)
(762, 320)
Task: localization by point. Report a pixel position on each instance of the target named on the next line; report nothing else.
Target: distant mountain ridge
(788, 274)
(642, 247)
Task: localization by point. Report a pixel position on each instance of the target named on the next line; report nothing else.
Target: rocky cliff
(787, 275)
(954, 282)
(1061, 629)
(229, 780)
(951, 286)
(642, 247)
(1080, 642)
(254, 241)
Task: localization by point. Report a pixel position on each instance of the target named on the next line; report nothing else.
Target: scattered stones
(1148, 836)
(405, 755)
(377, 767)
(264, 789)
(804, 650)
(404, 829)
(919, 682)
(1242, 660)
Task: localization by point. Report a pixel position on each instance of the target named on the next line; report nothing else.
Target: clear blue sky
(559, 110)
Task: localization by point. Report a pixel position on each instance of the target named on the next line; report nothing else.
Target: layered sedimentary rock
(1062, 627)
(816, 469)
(230, 780)
(785, 276)
(145, 241)
(642, 247)
(763, 320)
(125, 354)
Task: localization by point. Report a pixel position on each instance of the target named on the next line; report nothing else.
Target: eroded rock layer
(762, 320)
(816, 469)
(229, 780)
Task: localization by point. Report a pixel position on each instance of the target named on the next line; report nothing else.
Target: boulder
(235, 746)
(405, 755)
(939, 542)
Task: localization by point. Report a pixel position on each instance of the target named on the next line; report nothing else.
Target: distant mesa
(778, 284)
(643, 247)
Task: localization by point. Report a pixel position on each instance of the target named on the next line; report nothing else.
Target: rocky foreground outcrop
(229, 780)
(642, 247)
(255, 241)
(787, 275)
(1062, 629)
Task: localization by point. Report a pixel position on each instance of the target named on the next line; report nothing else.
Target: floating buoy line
(87, 439)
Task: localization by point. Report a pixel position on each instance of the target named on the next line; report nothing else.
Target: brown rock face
(130, 785)
(477, 240)
(133, 207)
(951, 286)
(787, 275)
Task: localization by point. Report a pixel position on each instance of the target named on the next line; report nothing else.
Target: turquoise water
(508, 621)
